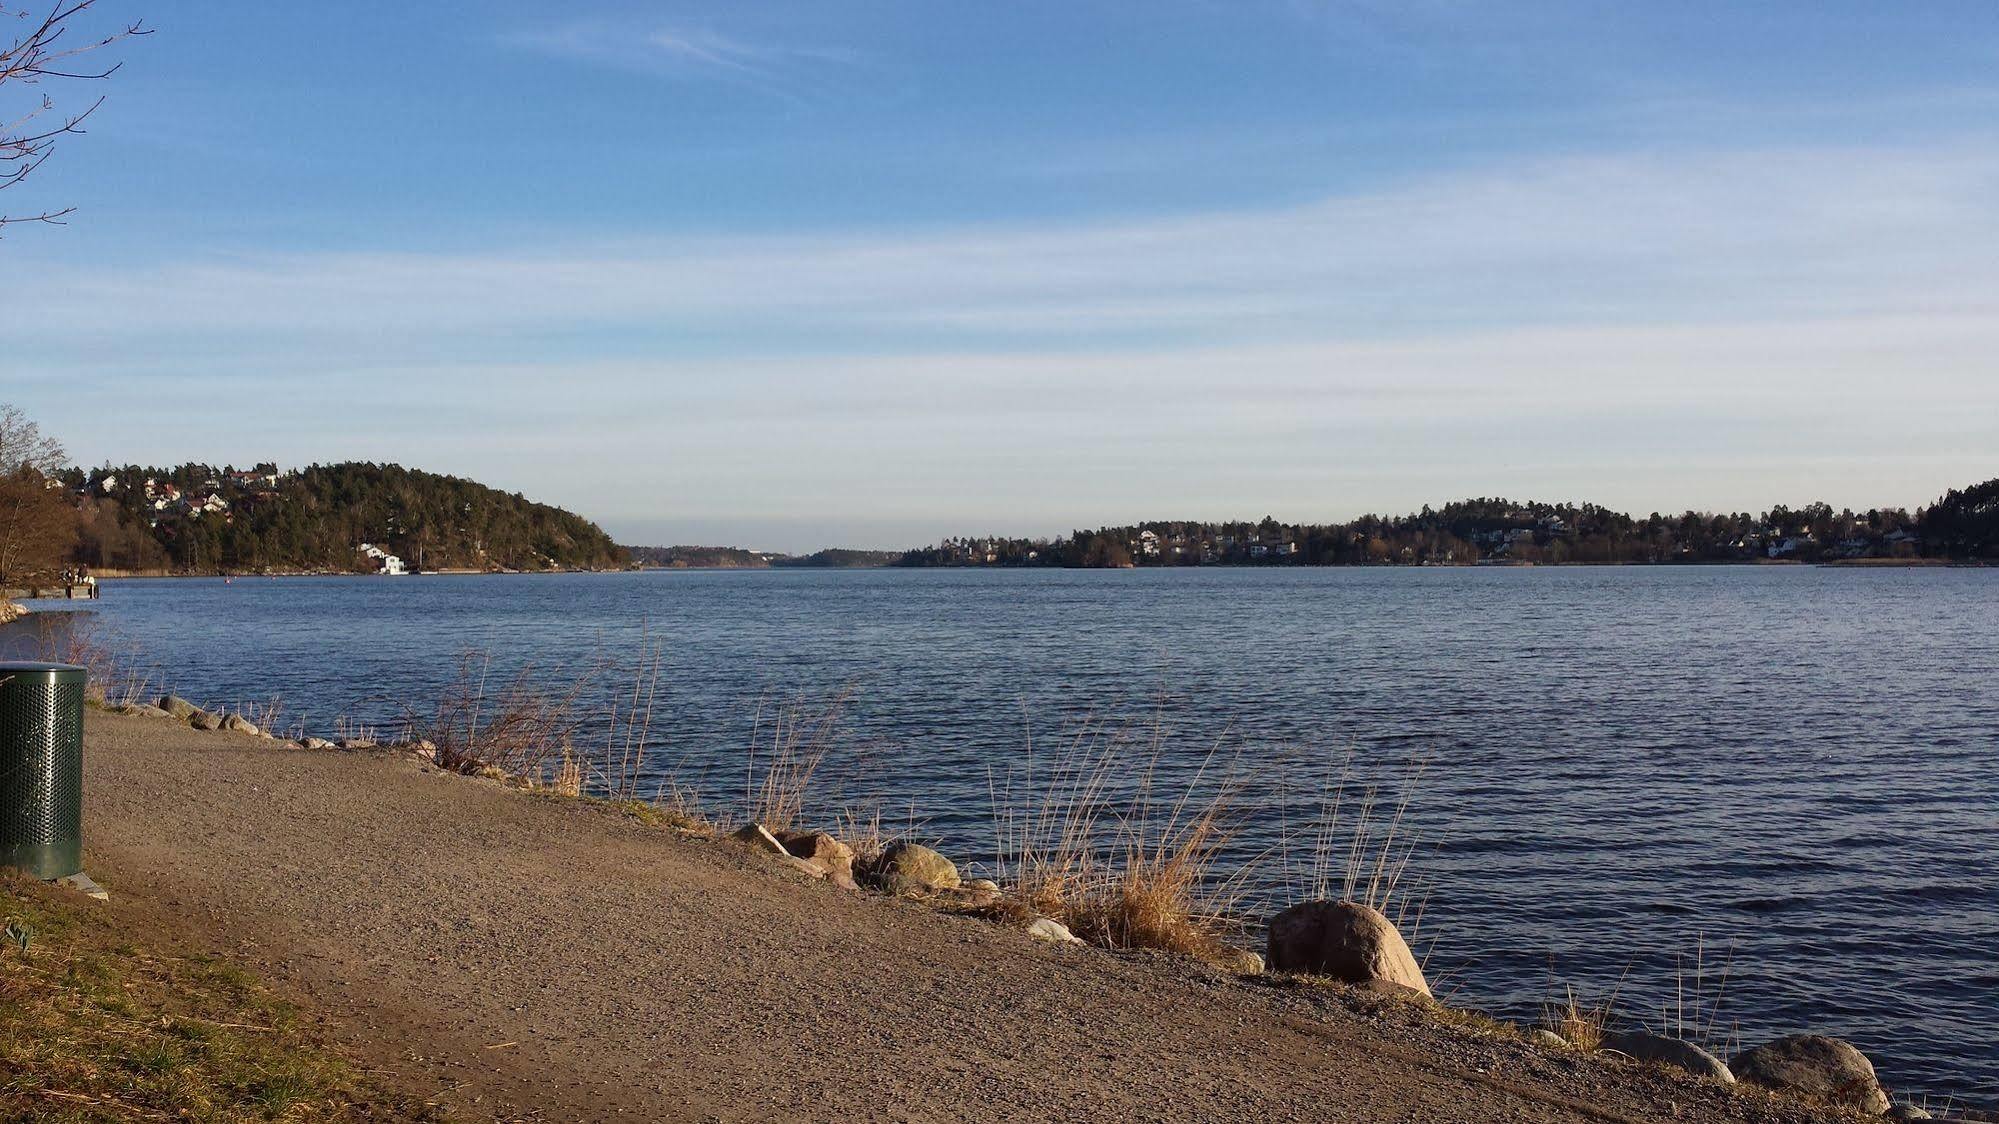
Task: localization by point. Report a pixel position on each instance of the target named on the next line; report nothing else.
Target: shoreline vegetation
(1089, 849)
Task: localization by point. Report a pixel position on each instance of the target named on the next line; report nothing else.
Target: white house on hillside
(385, 563)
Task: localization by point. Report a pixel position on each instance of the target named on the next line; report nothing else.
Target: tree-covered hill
(202, 518)
(1962, 526)
(1965, 522)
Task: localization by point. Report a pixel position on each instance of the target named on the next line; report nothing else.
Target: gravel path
(531, 958)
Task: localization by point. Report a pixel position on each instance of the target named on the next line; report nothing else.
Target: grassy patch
(93, 1028)
(1580, 1023)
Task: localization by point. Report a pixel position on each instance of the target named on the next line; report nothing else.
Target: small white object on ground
(81, 883)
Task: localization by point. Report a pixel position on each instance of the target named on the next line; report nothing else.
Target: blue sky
(788, 275)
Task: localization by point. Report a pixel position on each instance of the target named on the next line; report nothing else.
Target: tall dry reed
(1090, 840)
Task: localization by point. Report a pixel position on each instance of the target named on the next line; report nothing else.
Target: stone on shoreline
(1240, 962)
(1053, 931)
(355, 743)
(240, 725)
(817, 847)
(314, 743)
(1669, 1051)
(1549, 1038)
(10, 612)
(205, 720)
(141, 710)
(757, 837)
(177, 706)
(1817, 1068)
(911, 868)
(1344, 940)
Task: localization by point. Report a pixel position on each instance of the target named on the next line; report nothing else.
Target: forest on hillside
(204, 518)
(1961, 526)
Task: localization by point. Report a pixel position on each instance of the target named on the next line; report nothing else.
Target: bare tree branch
(39, 53)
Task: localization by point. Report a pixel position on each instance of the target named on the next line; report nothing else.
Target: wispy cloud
(1698, 237)
(785, 70)
(1718, 329)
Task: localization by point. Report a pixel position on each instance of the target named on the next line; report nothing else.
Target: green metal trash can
(41, 768)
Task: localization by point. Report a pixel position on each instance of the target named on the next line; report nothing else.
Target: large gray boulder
(1344, 940)
(911, 868)
(1669, 1051)
(177, 706)
(240, 725)
(1817, 1068)
(205, 720)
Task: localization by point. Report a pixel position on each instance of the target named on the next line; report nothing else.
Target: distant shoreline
(22, 594)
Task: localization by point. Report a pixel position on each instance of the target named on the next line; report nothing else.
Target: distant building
(385, 563)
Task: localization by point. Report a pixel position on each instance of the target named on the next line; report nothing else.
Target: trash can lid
(33, 667)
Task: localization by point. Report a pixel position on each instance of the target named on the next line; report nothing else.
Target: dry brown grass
(1126, 872)
(865, 831)
(118, 674)
(269, 716)
(1693, 1012)
(1365, 859)
(788, 743)
(1580, 1023)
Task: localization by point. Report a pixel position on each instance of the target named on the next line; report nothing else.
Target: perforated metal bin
(41, 768)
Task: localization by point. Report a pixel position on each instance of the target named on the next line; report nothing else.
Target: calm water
(1796, 767)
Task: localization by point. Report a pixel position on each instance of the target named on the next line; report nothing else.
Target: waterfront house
(385, 563)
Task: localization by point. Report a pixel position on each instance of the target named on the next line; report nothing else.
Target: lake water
(1795, 769)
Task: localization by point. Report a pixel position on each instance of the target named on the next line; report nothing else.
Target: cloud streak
(1638, 239)
(1718, 329)
(785, 71)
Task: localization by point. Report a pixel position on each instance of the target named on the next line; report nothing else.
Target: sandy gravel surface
(529, 958)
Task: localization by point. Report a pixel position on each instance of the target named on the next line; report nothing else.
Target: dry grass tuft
(1580, 1023)
(1693, 1013)
(863, 830)
(788, 743)
(1367, 859)
(1124, 872)
(117, 672)
(269, 716)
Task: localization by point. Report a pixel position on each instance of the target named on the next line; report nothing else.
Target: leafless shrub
(515, 726)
